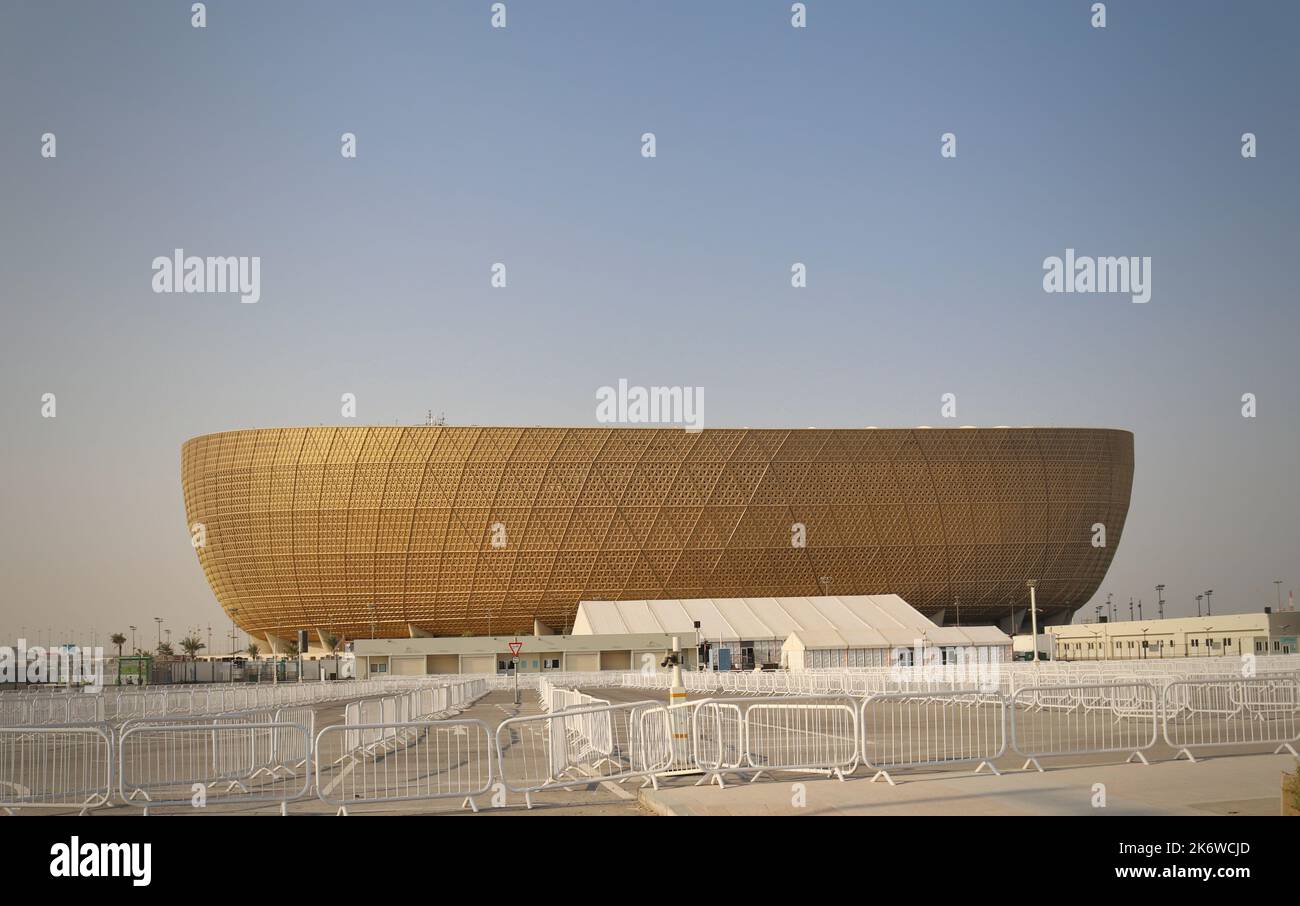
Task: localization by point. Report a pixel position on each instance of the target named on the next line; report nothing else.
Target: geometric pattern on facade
(361, 530)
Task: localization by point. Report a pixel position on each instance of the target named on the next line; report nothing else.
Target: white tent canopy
(848, 621)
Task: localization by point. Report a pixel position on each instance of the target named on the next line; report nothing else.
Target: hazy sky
(523, 145)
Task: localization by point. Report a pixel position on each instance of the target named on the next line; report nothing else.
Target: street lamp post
(1278, 584)
(159, 621)
(1160, 601)
(132, 640)
(1198, 605)
(1209, 612)
(1033, 615)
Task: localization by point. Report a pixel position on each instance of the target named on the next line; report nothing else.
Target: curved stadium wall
(447, 530)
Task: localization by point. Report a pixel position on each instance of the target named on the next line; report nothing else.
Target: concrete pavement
(1228, 785)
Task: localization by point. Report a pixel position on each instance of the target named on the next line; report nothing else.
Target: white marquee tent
(857, 630)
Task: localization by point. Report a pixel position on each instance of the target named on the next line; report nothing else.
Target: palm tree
(252, 650)
(291, 648)
(192, 646)
(165, 650)
(119, 640)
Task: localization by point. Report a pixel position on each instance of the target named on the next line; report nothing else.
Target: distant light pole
(159, 621)
(1110, 608)
(133, 649)
(1198, 604)
(1139, 608)
(1208, 611)
(1033, 615)
(1160, 601)
(1278, 584)
(1130, 607)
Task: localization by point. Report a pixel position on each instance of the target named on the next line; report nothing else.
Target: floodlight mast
(1033, 615)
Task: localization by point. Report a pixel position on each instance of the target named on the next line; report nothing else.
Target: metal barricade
(288, 754)
(801, 735)
(1232, 712)
(923, 729)
(440, 759)
(570, 748)
(717, 737)
(1084, 719)
(53, 767)
(201, 764)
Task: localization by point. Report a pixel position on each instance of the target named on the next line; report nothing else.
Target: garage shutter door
(407, 666)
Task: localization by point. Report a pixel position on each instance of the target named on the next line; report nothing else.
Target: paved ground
(1237, 785)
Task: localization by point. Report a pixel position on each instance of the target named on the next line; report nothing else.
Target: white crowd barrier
(556, 698)
(116, 705)
(1220, 713)
(1002, 677)
(370, 726)
(55, 767)
(572, 747)
(155, 745)
(926, 729)
(757, 736)
(221, 761)
(436, 760)
(1084, 719)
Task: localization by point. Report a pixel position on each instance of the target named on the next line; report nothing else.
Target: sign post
(515, 647)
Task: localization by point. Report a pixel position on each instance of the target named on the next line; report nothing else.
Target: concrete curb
(649, 800)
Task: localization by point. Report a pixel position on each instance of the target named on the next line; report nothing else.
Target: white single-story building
(538, 654)
(1220, 635)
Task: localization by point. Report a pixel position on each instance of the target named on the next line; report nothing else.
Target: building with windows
(1221, 635)
(538, 654)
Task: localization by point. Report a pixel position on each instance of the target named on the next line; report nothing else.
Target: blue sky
(522, 145)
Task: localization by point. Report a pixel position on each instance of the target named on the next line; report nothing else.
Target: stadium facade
(434, 530)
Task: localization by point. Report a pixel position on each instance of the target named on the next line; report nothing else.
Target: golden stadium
(435, 530)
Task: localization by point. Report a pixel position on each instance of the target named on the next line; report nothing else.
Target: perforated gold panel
(345, 529)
